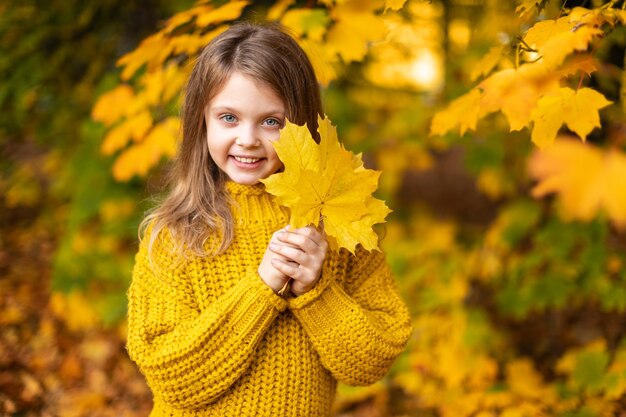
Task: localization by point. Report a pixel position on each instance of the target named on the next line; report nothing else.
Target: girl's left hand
(305, 250)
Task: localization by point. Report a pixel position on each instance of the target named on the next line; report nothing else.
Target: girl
(208, 324)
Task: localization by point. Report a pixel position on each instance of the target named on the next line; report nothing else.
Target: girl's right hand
(271, 276)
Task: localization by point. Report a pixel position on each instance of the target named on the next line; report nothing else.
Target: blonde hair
(197, 206)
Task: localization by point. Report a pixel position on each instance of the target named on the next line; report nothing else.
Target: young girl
(208, 324)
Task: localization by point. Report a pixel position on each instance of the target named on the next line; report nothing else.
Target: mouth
(246, 160)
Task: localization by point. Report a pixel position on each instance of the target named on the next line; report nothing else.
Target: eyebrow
(234, 110)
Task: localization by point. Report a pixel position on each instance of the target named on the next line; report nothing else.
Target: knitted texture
(213, 340)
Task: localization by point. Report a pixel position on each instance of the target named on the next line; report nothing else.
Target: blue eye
(273, 122)
(229, 118)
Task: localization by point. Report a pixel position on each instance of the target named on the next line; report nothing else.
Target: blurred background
(511, 259)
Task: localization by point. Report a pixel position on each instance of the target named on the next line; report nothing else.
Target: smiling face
(242, 121)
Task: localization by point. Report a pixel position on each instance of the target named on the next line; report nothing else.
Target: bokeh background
(508, 245)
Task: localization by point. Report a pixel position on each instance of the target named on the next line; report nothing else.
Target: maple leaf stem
(608, 5)
(580, 81)
(285, 288)
(562, 9)
(582, 73)
(526, 47)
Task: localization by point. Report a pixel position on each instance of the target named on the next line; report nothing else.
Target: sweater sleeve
(358, 328)
(191, 357)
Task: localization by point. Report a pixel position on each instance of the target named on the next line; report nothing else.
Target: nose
(248, 137)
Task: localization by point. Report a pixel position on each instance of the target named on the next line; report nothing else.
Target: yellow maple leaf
(394, 4)
(577, 109)
(309, 22)
(322, 60)
(229, 11)
(325, 182)
(487, 63)
(153, 50)
(527, 8)
(278, 9)
(462, 112)
(541, 32)
(560, 46)
(112, 105)
(524, 380)
(185, 17)
(356, 26)
(515, 92)
(556, 39)
(596, 17)
(585, 178)
(134, 128)
(138, 159)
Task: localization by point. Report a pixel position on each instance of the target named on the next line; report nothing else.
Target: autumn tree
(517, 311)
(499, 131)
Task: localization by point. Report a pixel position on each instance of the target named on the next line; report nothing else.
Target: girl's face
(242, 121)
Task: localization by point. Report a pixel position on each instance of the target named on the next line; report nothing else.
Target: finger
(289, 252)
(275, 236)
(308, 239)
(291, 269)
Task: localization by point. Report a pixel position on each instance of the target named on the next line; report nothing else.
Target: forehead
(242, 90)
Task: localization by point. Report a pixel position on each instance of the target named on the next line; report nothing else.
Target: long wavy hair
(197, 206)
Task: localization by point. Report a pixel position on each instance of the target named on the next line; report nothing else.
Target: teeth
(247, 160)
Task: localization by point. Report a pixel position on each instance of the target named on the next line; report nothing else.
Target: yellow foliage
(523, 380)
(75, 310)
(597, 17)
(394, 4)
(134, 127)
(22, 187)
(541, 32)
(487, 63)
(161, 85)
(462, 112)
(229, 11)
(577, 109)
(111, 210)
(594, 182)
(309, 22)
(153, 50)
(326, 182)
(515, 92)
(617, 372)
(137, 160)
(555, 39)
(354, 28)
(321, 59)
(410, 57)
(527, 8)
(186, 16)
(112, 105)
(396, 160)
(278, 9)
(563, 44)
(491, 182)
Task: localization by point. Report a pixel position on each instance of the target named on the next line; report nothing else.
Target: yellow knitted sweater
(213, 340)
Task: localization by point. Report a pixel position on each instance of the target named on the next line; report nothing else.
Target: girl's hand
(272, 277)
(300, 255)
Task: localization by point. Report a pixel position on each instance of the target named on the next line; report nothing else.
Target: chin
(243, 180)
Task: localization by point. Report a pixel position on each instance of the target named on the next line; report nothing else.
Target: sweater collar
(236, 189)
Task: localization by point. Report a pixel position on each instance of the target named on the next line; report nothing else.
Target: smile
(246, 160)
